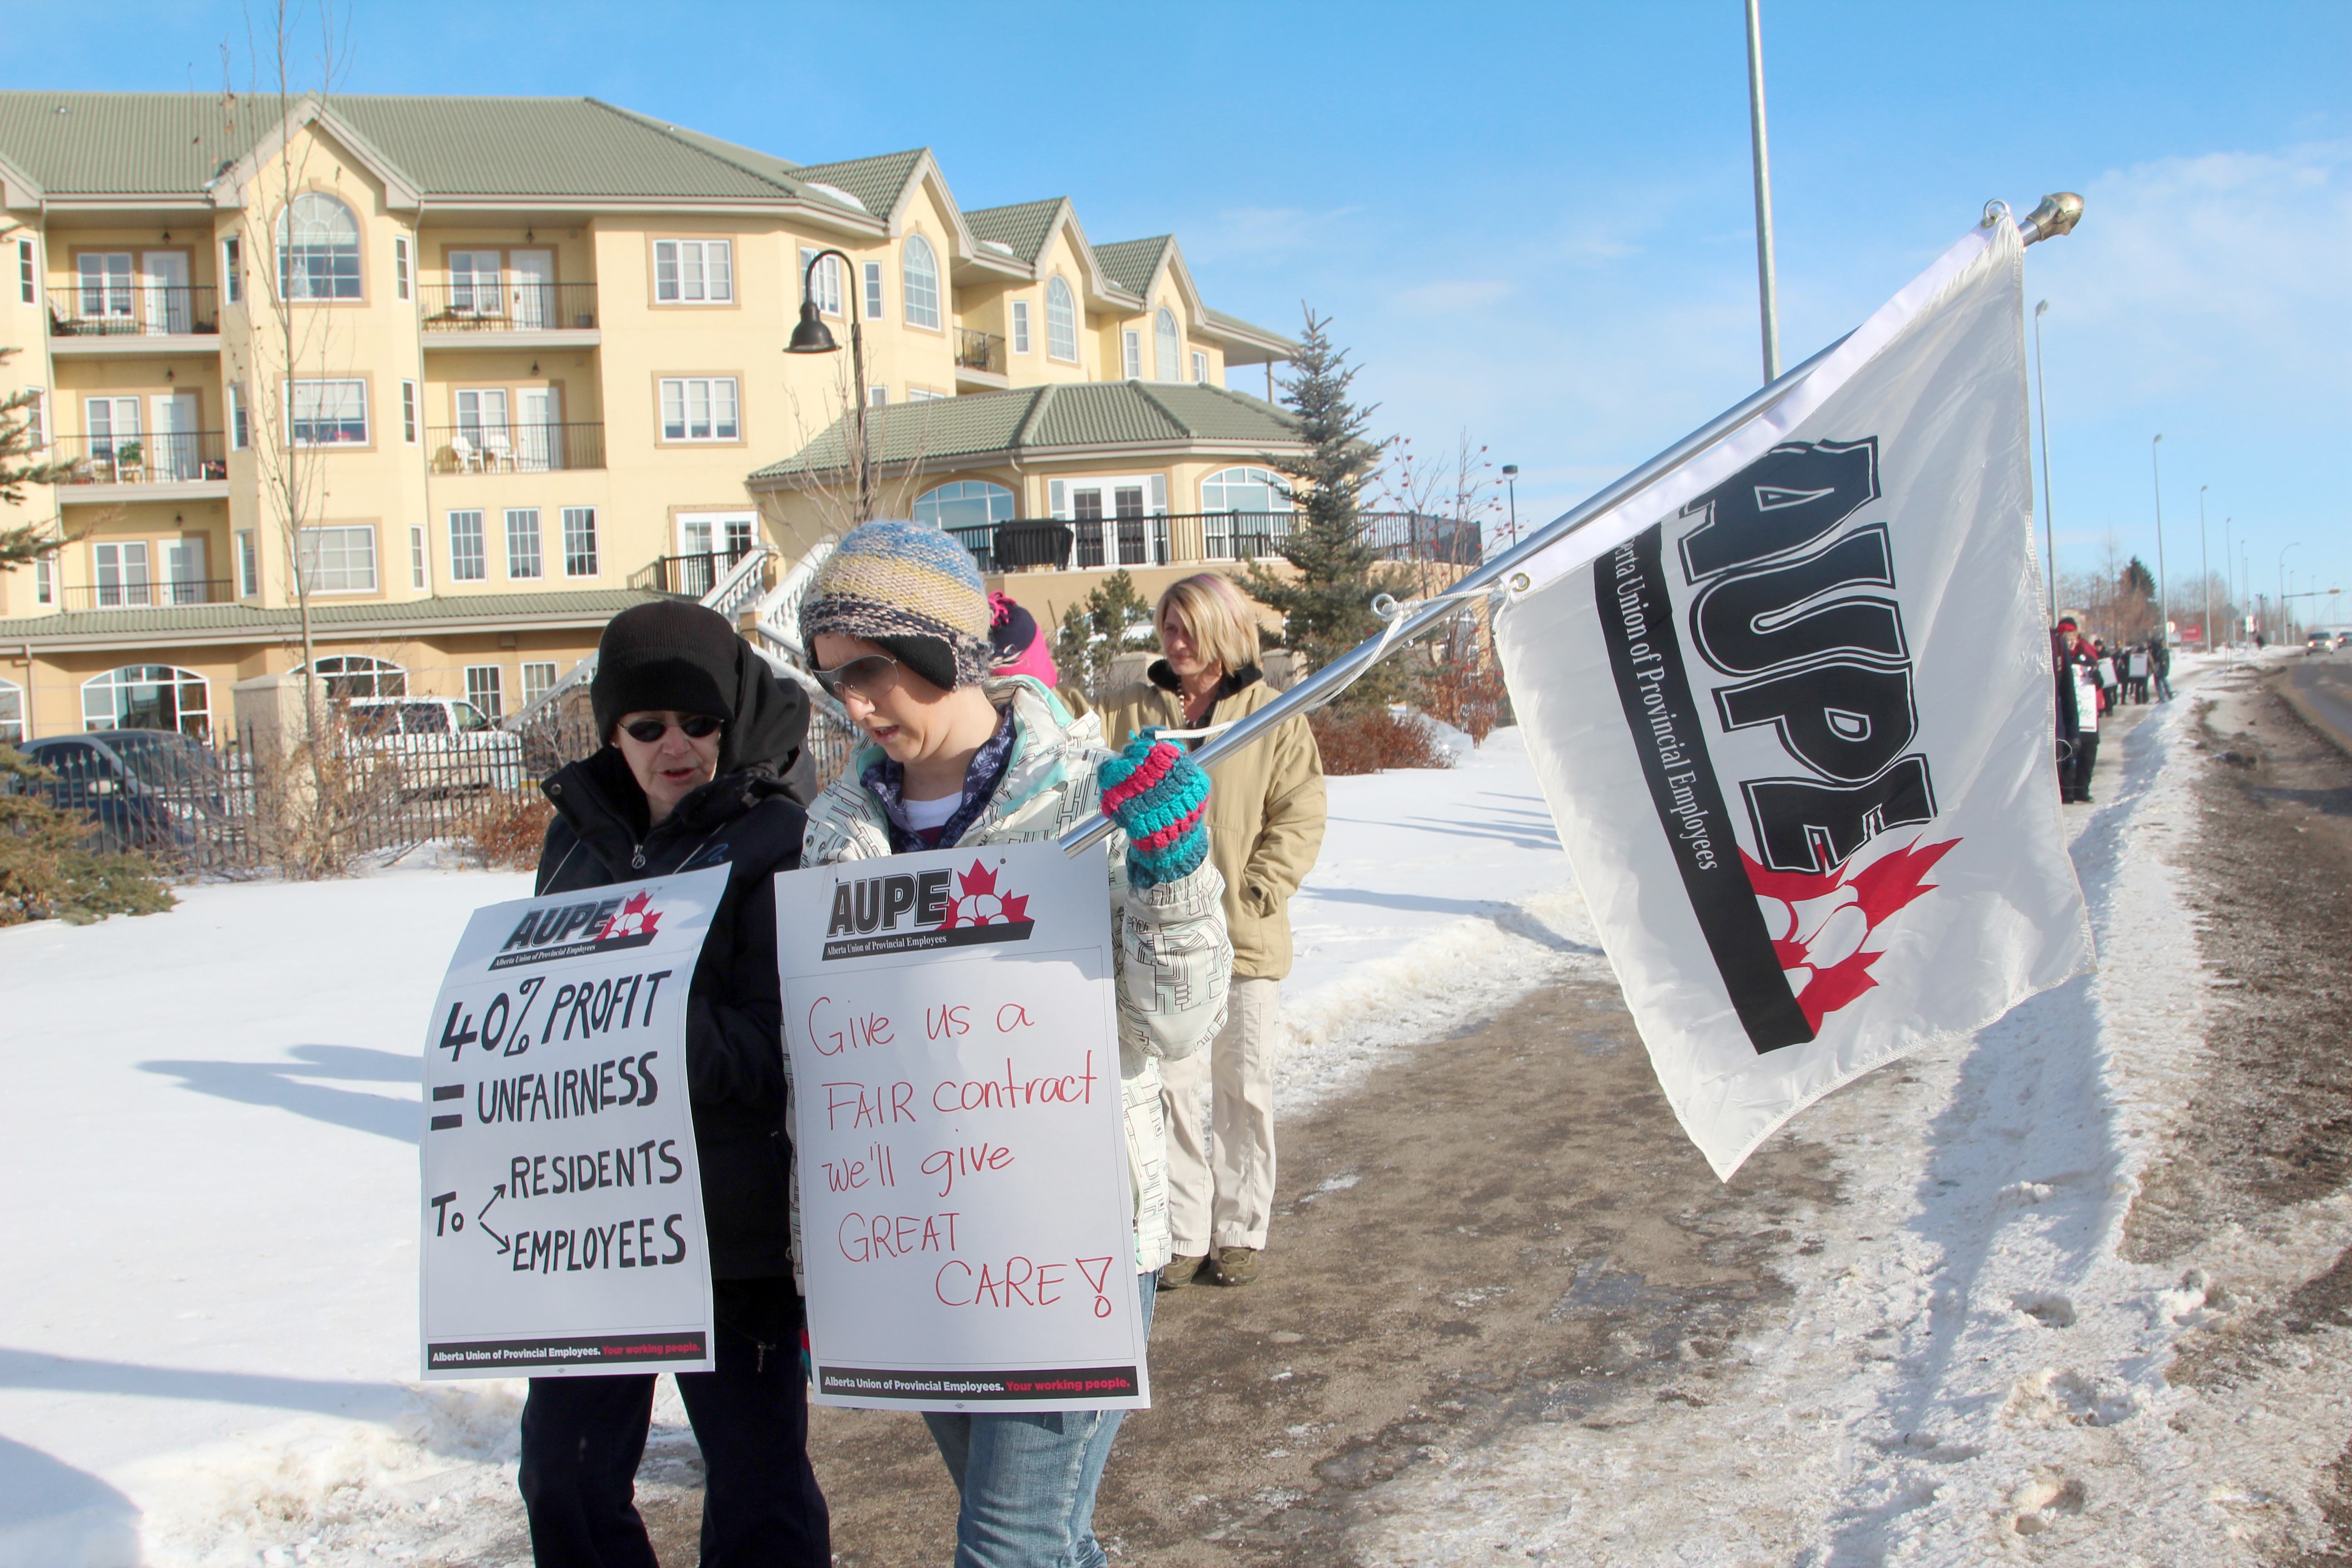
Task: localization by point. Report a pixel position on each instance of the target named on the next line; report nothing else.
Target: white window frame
(184, 683)
(249, 563)
(401, 266)
(525, 561)
(469, 559)
(688, 389)
(1020, 326)
(231, 269)
(877, 396)
(1166, 346)
(1200, 368)
(240, 419)
(1131, 353)
(309, 545)
(419, 574)
(699, 271)
(580, 555)
(37, 420)
(874, 292)
(1054, 323)
(12, 712)
(322, 238)
(45, 583)
(114, 287)
(28, 277)
(294, 422)
(538, 680)
(826, 288)
(408, 411)
(486, 680)
(923, 394)
(918, 284)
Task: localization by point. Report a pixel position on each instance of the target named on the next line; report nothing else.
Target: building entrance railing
(515, 447)
(490, 305)
(117, 307)
(155, 457)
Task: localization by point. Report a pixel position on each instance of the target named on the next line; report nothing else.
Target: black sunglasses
(645, 731)
(867, 676)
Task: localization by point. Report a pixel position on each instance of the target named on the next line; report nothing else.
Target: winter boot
(1234, 1265)
(1182, 1271)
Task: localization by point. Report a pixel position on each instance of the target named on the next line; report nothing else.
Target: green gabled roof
(163, 621)
(1023, 227)
(1129, 263)
(876, 183)
(1037, 419)
(133, 143)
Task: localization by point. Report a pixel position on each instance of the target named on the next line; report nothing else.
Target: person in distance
(897, 622)
(702, 765)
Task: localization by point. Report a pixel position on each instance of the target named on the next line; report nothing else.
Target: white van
(442, 743)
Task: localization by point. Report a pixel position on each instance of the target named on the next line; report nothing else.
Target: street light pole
(2229, 574)
(2042, 400)
(812, 337)
(1768, 291)
(2163, 582)
(2204, 563)
(1511, 480)
(2282, 626)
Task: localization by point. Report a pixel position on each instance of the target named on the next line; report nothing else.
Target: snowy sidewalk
(208, 1347)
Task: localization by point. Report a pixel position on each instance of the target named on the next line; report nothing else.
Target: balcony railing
(131, 589)
(1086, 542)
(688, 576)
(492, 305)
(515, 449)
(120, 309)
(169, 457)
(980, 351)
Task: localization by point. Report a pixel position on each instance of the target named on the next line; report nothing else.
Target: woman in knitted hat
(898, 625)
(702, 765)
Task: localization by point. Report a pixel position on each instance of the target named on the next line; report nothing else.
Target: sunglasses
(697, 726)
(868, 677)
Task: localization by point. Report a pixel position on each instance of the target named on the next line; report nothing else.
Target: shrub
(1372, 740)
(511, 829)
(1469, 695)
(48, 871)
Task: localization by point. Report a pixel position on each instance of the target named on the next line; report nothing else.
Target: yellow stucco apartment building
(521, 363)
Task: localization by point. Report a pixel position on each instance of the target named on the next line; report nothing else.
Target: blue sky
(1534, 222)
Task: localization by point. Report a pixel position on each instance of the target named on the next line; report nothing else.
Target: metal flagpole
(1768, 291)
(2163, 582)
(2042, 407)
(2057, 214)
(2204, 561)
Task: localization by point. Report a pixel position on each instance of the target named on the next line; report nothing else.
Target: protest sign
(563, 1203)
(966, 1231)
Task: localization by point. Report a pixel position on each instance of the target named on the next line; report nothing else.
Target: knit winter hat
(909, 587)
(671, 655)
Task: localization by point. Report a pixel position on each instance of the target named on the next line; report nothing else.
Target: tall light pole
(1511, 480)
(2163, 583)
(2283, 623)
(812, 337)
(1768, 291)
(2204, 563)
(2042, 398)
(2230, 575)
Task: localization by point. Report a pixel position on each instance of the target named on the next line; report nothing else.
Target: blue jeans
(1028, 1477)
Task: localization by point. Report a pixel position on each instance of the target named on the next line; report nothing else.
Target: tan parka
(1265, 808)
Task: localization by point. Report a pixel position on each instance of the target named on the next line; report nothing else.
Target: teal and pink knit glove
(1157, 797)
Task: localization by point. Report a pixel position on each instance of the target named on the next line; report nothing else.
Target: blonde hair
(1216, 614)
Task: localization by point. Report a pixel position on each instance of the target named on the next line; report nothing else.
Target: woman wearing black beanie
(702, 765)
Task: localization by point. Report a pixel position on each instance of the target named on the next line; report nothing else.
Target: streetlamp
(1511, 480)
(2285, 623)
(2204, 565)
(814, 337)
(2042, 398)
(2230, 572)
(2163, 579)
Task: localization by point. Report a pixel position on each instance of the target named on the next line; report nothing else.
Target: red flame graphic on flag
(1820, 922)
(978, 903)
(637, 918)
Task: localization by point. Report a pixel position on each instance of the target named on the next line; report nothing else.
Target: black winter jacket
(748, 819)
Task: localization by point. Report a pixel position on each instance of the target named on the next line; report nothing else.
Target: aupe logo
(608, 925)
(912, 911)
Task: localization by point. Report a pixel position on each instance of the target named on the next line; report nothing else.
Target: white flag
(1791, 706)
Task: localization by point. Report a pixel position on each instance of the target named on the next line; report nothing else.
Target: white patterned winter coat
(1171, 953)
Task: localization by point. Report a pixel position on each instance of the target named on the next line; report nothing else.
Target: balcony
(1085, 544)
(181, 465)
(688, 576)
(131, 590)
(116, 317)
(980, 358)
(487, 313)
(515, 449)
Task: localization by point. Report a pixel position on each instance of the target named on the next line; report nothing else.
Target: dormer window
(318, 249)
(1167, 346)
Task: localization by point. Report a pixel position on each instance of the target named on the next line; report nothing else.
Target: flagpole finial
(2058, 213)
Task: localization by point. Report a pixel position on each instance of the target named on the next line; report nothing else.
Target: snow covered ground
(208, 1347)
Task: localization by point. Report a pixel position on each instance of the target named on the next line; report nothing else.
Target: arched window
(921, 269)
(349, 675)
(1243, 511)
(318, 249)
(1167, 346)
(147, 697)
(1061, 321)
(964, 503)
(12, 712)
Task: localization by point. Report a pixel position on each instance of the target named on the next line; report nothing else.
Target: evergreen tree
(1325, 607)
(1113, 620)
(25, 541)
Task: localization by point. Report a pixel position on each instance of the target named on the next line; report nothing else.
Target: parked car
(156, 791)
(441, 743)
